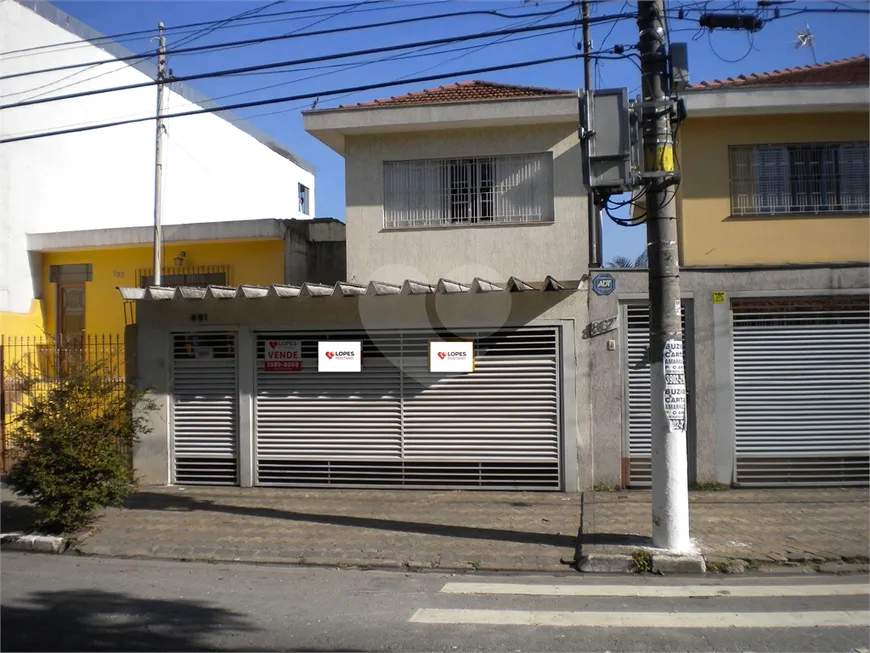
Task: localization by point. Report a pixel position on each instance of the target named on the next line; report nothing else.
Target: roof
(855, 70)
(470, 91)
(342, 289)
(85, 32)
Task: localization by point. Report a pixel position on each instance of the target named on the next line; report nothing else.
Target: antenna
(805, 39)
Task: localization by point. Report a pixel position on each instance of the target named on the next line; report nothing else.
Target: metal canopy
(344, 289)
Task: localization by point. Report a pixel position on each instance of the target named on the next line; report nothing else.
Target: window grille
(479, 190)
(807, 178)
(198, 276)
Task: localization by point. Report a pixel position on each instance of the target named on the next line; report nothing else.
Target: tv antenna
(805, 39)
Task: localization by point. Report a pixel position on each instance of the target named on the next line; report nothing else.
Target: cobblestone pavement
(471, 530)
(768, 526)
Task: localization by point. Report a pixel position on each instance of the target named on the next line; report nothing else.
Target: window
(479, 190)
(76, 273)
(807, 178)
(197, 276)
(303, 199)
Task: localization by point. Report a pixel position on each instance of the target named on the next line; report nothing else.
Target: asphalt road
(72, 603)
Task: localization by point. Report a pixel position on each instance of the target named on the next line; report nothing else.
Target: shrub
(73, 445)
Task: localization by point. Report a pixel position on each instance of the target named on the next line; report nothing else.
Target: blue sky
(711, 56)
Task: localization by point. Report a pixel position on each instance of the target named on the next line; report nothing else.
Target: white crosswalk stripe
(679, 619)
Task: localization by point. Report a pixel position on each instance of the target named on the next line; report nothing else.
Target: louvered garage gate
(204, 408)
(396, 424)
(802, 392)
(637, 409)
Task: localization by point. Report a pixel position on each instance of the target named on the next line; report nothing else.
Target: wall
(711, 363)
(493, 252)
(214, 171)
(711, 236)
(315, 251)
(256, 262)
(157, 318)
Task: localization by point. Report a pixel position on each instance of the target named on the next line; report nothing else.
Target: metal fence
(33, 366)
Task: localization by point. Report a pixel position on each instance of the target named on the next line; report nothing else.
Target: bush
(73, 444)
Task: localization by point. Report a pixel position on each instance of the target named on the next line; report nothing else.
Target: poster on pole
(283, 356)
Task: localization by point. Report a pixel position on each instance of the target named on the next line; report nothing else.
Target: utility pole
(594, 213)
(158, 159)
(670, 495)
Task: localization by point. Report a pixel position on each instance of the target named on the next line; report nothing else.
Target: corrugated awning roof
(344, 289)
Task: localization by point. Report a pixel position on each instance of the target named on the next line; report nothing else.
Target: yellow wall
(256, 262)
(710, 236)
(23, 325)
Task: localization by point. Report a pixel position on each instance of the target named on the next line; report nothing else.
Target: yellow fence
(33, 366)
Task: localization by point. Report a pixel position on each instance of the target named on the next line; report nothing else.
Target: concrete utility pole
(158, 159)
(670, 495)
(594, 213)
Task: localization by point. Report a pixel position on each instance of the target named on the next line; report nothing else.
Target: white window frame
(799, 179)
(468, 191)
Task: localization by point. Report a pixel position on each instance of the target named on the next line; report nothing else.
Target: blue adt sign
(603, 284)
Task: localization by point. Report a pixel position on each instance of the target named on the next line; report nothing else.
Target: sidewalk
(472, 530)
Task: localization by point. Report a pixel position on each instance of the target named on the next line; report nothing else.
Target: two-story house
(466, 228)
(774, 223)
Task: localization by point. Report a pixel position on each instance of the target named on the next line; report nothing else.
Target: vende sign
(333, 356)
(455, 356)
(283, 356)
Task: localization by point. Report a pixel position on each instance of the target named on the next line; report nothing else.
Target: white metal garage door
(638, 407)
(802, 392)
(396, 424)
(204, 408)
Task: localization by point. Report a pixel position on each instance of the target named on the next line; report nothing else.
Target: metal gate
(397, 424)
(204, 408)
(637, 408)
(802, 392)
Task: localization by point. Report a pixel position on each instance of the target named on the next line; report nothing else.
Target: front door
(71, 312)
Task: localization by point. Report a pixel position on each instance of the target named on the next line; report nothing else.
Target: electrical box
(607, 130)
(680, 65)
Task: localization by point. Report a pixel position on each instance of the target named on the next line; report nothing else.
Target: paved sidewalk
(471, 530)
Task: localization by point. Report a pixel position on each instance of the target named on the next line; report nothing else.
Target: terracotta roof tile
(855, 70)
(462, 92)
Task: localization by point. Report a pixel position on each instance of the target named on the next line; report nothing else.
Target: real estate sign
(283, 355)
(454, 356)
(335, 356)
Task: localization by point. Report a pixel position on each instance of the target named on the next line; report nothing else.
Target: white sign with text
(455, 356)
(334, 356)
(283, 355)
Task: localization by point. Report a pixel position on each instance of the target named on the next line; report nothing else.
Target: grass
(710, 487)
(604, 487)
(642, 561)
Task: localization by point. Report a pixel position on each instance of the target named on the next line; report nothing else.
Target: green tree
(626, 262)
(73, 445)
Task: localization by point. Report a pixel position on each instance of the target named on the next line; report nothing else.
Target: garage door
(204, 408)
(638, 407)
(802, 392)
(397, 424)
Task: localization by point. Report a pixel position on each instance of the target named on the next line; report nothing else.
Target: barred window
(470, 191)
(805, 178)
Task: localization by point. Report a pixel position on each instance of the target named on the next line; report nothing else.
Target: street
(86, 603)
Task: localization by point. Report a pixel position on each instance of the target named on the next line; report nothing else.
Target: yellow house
(775, 168)
(77, 272)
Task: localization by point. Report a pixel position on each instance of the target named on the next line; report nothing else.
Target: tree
(73, 445)
(626, 262)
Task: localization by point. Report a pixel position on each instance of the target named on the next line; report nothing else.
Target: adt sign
(603, 284)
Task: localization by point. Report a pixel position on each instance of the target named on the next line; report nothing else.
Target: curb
(36, 543)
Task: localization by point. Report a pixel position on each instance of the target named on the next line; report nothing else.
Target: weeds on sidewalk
(642, 561)
(710, 487)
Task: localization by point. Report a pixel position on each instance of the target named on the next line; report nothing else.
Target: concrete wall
(710, 354)
(214, 169)
(315, 251)
(711, 235)
(493, 252)
(156, 319)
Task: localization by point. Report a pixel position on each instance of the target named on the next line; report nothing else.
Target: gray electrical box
(608, 132)
(680, 65)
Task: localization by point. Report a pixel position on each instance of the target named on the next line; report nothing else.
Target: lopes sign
(334, 356)
(455, 356)
(283, 356)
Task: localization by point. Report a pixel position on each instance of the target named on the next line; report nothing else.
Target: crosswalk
(817, 605)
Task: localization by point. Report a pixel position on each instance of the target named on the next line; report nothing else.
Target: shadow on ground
(15, 516)
(155, 501)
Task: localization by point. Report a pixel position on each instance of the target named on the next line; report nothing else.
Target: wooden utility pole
(158, 159)
(670, 495)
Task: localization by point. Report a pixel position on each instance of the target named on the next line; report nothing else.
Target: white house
(217, 167)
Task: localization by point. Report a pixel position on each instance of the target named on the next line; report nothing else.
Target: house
(217, 169)
(774, 223)
(466, 225)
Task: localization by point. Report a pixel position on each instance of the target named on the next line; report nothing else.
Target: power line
(303, 96)
(150, 32)
(280, 37)
(208, 30)
(331, 57)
